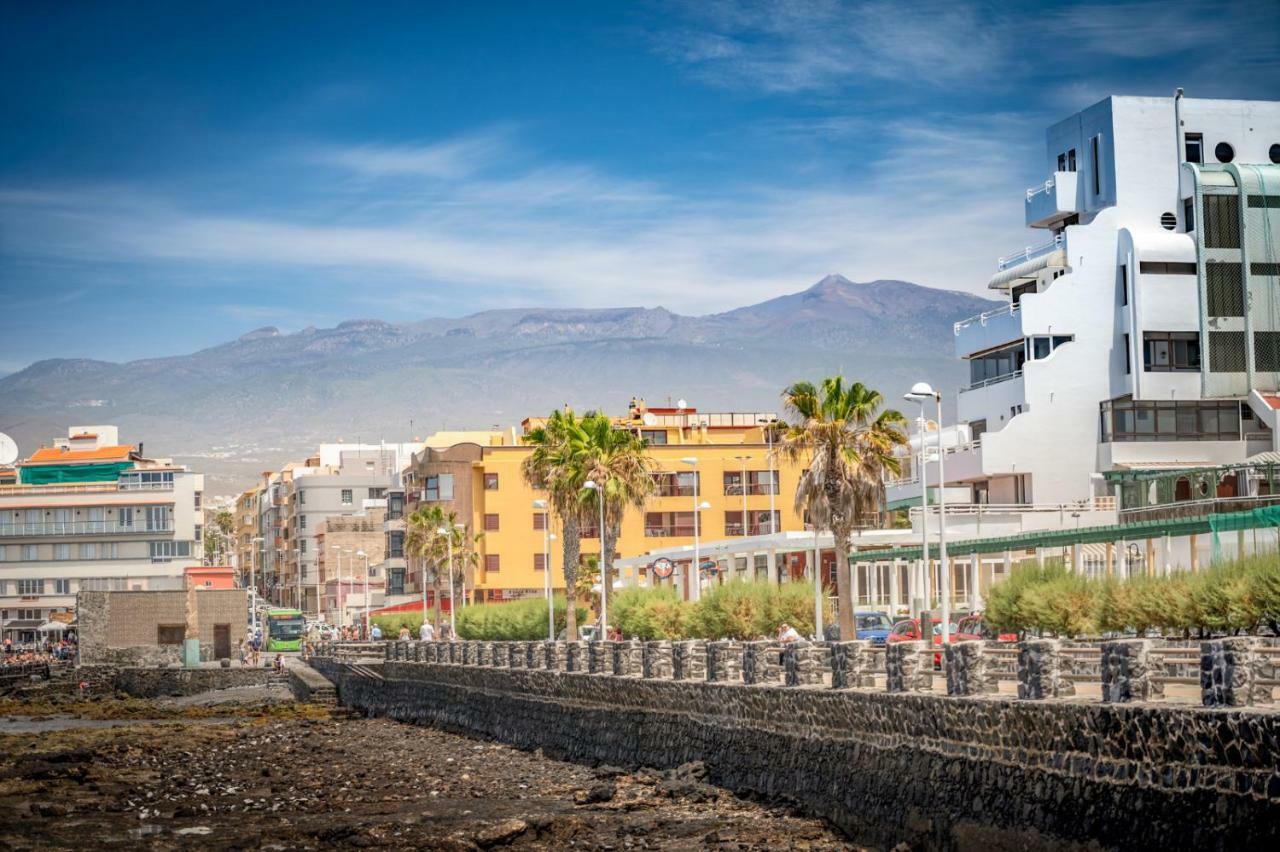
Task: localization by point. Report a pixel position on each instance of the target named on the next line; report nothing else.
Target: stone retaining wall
(161, 682)
(982, 773)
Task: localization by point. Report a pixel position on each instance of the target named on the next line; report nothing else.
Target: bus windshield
(287, 626)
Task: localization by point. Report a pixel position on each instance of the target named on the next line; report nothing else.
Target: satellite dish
(650, 419)
(8, 449)
(680, 403)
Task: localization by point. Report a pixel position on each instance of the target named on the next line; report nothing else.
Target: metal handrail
(1016, 374)
(1028, 253)
(982, 318)
(1047, 186)
(41, 528)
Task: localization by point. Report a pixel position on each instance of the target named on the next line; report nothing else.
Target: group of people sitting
(37, 652)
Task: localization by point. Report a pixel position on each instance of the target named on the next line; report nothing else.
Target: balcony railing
(130, 485)
(673, 491)
(1047, 186)
(984, 318)
(995, 380)
(1097, 504)
(754, 489)
(1028, 253)
(668, 531)
(58, 528)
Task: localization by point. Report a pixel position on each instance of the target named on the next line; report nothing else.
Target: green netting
(1266, 516)
(50, 474)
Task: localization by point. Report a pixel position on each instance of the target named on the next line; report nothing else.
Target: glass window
(492, 562)
(491, 482)
(1186, 420)
(491, 522)
(1209, 420)
(1195, 148)
(61, 551)
(655, 437)
(347, 497)
(30, 553)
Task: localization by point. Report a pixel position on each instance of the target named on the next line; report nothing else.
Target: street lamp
(453, 623)
(546, 566)
(604, 597)
(695, 593)
(773, 485)
(253, 585)
(365, 557)
(338, 587)
(744, 460)
(920, 392)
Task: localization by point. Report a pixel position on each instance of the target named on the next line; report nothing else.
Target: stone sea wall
(978, 772)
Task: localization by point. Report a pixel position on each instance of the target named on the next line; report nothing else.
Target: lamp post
(920, 392)
(546, 566)
(695, 593)
(338, 588)
(922, 572)
(453, 622)
(365, 556)
(253, 585)
(743, 460)
(604, 579)
(773, 485)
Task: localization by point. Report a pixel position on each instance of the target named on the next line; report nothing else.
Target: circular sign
(663, 568)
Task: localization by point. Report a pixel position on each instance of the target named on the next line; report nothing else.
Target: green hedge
(734, 610)
(1242, 595)
(518, 620)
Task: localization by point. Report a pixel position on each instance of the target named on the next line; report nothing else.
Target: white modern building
(1141, 327)
(89, 513)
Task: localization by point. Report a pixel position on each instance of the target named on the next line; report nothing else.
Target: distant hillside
(248, 405)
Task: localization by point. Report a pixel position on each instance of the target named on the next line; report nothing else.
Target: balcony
(1053, 201)
(668, 531)
(991, 398)
(754, 489)
(1029, 253)
(72, 528)
(988, 330)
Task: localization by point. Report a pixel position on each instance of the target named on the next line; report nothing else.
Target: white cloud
(451, 159)
(572, 235)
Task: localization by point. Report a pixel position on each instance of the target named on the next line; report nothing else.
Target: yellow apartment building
(700, 459)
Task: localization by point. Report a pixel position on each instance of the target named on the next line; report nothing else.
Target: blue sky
(173, 175)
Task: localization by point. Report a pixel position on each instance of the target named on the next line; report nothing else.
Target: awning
(23, 624)
(52, 627)
(1027, 269)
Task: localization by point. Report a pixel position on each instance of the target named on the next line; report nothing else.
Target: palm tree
(618, 462)
(847, 442)
(423, 540)
(550, 466)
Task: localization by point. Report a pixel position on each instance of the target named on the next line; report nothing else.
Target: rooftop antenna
(8, 449)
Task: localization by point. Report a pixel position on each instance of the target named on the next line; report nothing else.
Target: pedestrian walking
(404, 633)
(426, 632)
(787, 633)
(376, 634)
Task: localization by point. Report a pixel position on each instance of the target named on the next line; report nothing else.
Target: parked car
(975, 627)
(873, 625)
(908, 630)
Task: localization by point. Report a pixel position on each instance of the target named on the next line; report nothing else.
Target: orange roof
(1272, 401)
(49, 455)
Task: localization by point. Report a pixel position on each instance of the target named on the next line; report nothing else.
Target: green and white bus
(286, 628)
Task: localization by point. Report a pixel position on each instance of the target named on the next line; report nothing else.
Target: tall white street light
(453, 622)
(338, 572)
(604, 579)
(546, 566)
(253, 584)
(920, 392)
(743, 460)
(922, 572)
(773, 485)
(365, 557)
(695, 593)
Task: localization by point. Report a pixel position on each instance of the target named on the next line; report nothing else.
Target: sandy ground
(266, 773)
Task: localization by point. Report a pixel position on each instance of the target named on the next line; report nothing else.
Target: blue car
(872, 625)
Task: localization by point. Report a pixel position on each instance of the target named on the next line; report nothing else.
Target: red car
(974, 627)
(909, 631)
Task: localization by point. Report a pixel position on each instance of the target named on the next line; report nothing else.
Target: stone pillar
(802, 663)
(724, 661)
(906, 668)
(1127, 671)
(454, 652)
(1230, 671)
(598, 657)
(532, 655)
(968, 669)
(761, 662)
(1194, 544)
(553, 656)
(895, 593)
(851, 664)
(1040, 670)
(771, 566)
(484, 654)
(655, 661)
(575, 656)
(689, 660)
(515, 655)
(468, 653)
(415, 651)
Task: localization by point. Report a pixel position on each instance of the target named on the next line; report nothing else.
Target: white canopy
(52, 627)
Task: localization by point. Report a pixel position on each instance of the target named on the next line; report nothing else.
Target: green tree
(846, 440)
(552, 468)
(617, 461)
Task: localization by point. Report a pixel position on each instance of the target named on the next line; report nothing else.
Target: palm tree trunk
(844, 586)
(569, 530)
(435, 598)
(610, 534)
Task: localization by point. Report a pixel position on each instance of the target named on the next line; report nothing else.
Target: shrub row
(1229, 597)
(734, 610)
(522, 620)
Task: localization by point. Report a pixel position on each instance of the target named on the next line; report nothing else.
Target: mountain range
(251, 404)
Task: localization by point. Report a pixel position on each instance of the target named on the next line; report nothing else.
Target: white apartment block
(89, 513)
(1142, 328)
